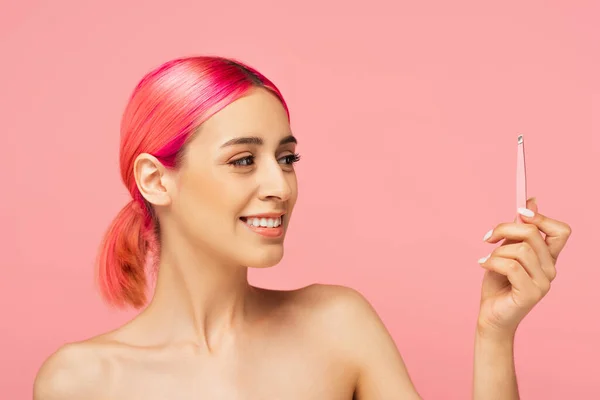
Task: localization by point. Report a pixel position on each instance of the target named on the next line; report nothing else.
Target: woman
(207, 154)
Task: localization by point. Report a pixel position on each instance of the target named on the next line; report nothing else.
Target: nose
(274, 182)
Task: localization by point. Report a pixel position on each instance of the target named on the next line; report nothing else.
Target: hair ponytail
(122, 257)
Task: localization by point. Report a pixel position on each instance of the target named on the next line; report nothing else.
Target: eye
(249, 160)
(243, 162)
(291, 158)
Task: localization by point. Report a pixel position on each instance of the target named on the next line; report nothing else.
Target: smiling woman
(208, 157)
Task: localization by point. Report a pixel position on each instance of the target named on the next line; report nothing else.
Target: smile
(262, 222)
(269, 227)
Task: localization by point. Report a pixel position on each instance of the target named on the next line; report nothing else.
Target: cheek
(210, 206)
(195, 204)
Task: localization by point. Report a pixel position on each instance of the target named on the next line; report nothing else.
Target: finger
(531, 204)
(557, 232)
(516, 233)
(517, 276)
(526, 256)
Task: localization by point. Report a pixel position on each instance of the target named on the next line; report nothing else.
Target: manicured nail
(484, 259)
(526, 212)
(488, 235)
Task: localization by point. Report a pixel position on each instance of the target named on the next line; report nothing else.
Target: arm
(518, 275)
(381, 372)
(364, 340)
(494, 369)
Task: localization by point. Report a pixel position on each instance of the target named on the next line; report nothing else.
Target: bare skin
(208, 334)
(304, 344)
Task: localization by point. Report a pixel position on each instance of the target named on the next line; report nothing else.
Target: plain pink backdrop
(407, 115)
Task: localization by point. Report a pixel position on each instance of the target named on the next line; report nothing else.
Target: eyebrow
(257, 141)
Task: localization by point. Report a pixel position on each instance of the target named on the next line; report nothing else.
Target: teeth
(264, 222)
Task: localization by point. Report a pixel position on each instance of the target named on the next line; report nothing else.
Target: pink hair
(164, 111)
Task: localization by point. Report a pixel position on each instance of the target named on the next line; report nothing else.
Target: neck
(198, 297)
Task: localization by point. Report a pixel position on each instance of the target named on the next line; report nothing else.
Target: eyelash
(238, 163)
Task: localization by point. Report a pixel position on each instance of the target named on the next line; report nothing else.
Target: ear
(152, 180)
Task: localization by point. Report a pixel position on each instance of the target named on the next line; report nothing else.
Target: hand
(519, 272)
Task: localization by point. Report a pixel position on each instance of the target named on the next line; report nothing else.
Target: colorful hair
(164, 111)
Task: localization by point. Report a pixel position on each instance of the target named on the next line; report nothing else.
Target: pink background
(407, 114)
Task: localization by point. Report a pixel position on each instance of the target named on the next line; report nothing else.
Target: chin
(263, 257)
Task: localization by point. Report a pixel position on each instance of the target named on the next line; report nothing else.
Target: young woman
(208, 156)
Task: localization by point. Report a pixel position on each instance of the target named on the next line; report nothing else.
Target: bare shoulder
(352, 326)
(338, 312)
(74, 371)
(343, 304)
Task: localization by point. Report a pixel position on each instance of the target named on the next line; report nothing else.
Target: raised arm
(494, 374)
(518, 275)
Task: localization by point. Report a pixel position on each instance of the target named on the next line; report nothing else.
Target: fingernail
(484, 259)
(526, 212)
(488, 235)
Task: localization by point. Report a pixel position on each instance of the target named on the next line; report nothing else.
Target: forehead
(258, 113)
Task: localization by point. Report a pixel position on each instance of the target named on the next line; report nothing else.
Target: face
(236, 188)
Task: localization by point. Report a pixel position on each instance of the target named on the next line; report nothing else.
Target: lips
(269, 225)
(265, 215)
